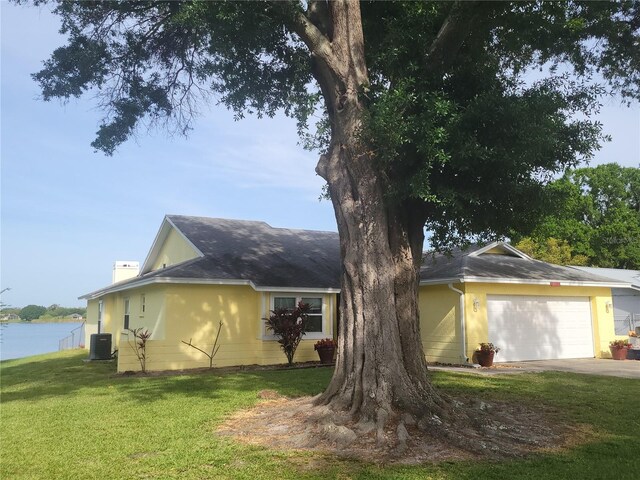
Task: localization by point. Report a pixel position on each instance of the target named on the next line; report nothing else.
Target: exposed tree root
(475, 429)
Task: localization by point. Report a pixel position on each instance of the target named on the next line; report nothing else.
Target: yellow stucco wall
(440, 327)
(439, 324)
(193, 312)
(91, 325)
(110, 316)
(175, 249)
(113, 314)
(495, 251)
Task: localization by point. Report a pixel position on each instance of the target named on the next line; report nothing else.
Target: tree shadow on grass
(41, 377)
(212, 385)
(573, 396)
(608, 404)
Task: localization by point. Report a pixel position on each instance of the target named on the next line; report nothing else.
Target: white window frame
(143, 304)
(126, 307)
(100, 315)
(327, 320)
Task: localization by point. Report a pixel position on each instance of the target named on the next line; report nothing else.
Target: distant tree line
(596, 220)
(34, 312)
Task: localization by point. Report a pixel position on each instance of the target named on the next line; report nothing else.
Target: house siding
(439, 323)
(91, 325)
(193, 312)
(113, 315)
(174, 250)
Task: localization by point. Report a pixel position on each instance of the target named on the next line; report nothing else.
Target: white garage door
(540, 328)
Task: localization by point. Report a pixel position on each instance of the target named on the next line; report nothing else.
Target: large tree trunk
(381, 368)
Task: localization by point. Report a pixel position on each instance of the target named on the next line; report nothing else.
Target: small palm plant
(139, 346)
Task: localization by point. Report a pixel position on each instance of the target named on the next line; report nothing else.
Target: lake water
(19, 340)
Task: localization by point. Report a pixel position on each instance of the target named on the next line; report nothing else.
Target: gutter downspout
(463, 339)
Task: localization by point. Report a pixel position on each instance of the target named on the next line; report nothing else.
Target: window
(143, 305)
(314, 317)
(314, 320)
(100, 308)
(126, 314)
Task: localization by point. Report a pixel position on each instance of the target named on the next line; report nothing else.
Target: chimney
(123, 270)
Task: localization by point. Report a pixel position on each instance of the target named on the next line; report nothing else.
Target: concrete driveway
(591, 366)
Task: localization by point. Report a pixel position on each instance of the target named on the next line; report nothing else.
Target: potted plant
(485, 354)
(326, 349)
(619, 349)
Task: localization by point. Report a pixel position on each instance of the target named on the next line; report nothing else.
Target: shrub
(289, 327)
(488, 347)
(619, 344)
(325, 343)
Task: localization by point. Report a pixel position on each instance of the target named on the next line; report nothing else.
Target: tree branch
(193, 346)
(319, 14)
(454, 31)
(214, 348)
(311, 35)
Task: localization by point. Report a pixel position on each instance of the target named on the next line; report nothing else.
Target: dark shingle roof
(247, 251)
(461, 264)
(255, 251)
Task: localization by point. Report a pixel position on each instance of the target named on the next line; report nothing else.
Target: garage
(531, 310)
(540, 327)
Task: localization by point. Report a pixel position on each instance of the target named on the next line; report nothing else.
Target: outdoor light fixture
(476, 304)
(608, 306)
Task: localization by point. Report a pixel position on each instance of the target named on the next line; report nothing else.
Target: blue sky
(68, 213)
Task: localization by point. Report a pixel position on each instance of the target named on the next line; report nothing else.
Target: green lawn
(64, 418)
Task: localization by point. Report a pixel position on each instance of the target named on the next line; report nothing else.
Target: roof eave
(202, 281)
(442, 281)
(505, 245)
(526, 281)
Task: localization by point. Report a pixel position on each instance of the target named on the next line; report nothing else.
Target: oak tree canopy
(431, 116)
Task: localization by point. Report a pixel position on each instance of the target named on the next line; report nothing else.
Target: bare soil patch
(498, 430)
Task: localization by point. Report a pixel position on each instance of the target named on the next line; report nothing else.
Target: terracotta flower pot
(326, 354)
(619, 353)
(485, 359)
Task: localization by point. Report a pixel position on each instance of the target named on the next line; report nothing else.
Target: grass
(64, 418)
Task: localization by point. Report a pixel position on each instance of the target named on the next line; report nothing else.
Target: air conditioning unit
(100, 346)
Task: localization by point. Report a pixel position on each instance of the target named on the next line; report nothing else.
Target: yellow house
(203, 271)
(531, 310)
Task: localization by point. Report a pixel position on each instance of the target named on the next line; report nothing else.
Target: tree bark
(381, 369)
